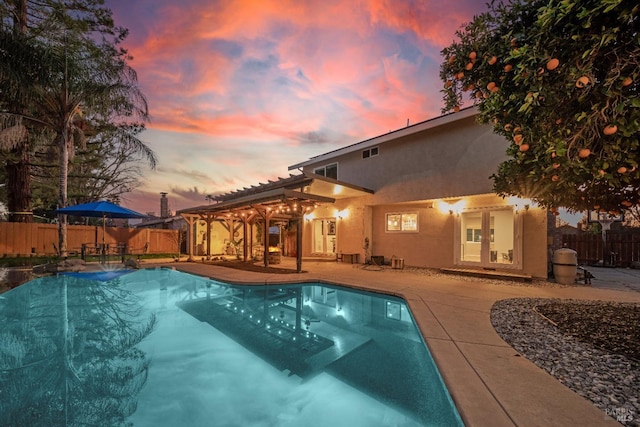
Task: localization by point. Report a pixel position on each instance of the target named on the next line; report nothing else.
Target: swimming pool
(158, 347)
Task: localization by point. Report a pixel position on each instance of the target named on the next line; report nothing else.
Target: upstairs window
(330, 171)
(370, 152)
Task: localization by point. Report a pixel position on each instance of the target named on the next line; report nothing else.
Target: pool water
(158, 347)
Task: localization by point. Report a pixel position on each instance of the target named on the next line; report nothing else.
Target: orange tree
(559, 79)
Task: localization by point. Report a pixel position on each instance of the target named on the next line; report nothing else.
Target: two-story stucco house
(422, 194)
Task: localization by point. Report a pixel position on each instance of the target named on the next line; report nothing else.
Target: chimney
(164, 206)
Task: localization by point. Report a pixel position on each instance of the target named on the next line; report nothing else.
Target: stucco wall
(411, 174)
(433, 245)
(447, 161)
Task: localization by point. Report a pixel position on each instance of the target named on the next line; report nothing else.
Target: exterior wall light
(451, 206)
(342, 214)
(519, 203)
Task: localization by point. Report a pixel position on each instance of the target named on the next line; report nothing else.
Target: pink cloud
(284, 73)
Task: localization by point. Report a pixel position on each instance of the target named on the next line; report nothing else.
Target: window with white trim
(330, 171)
(370, 152)
(402, 222)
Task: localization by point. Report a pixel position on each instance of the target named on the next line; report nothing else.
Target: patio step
(488, 274)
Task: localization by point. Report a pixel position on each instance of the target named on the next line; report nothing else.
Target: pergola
(286, 199)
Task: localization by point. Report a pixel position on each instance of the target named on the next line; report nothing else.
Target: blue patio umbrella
(101, 209)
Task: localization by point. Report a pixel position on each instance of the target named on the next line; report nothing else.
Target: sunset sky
(240, 90)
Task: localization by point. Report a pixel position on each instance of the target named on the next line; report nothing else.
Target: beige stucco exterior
(423, 194)
(416, 170)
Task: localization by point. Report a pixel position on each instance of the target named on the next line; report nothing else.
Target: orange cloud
(307, 75)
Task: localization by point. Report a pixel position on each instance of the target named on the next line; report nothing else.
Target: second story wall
(454, 159)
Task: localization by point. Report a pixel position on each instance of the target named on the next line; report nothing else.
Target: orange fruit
(448, 83)
(468, 66)
(493, 60)
(478, 94)
(582, 82)
(472, 56)
(555, 178)
(495, 89)
(622, 169)
(471, 86)
(556, 165)
(491, 85)
(553, 154)
(626, 203)
(508, 68)
(517, 139)
(460, 75)
(456, 108)
(584, 153)
(627, 81)
(452, 59)
(602, 173)
(552, 64)
(524, 147)
(508, 127)
(610, 129)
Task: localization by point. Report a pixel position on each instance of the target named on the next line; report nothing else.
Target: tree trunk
(19, 186)
(63, 157)
(18, 171)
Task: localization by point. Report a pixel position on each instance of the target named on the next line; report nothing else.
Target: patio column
(266, 214)
(299, 224)
(208, 218)
(190, 220)
(247, 243)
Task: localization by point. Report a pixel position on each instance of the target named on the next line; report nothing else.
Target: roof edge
(398, 133)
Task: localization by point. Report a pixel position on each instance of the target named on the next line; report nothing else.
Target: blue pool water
(164, 348)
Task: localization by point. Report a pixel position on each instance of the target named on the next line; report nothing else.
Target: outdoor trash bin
(565, 266)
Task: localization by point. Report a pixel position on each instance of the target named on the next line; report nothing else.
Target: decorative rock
(611, 381)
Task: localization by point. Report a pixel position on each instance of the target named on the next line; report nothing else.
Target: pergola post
(266, 215)
(190, 220)
(299, 227)
(247, 243)
(208, 218)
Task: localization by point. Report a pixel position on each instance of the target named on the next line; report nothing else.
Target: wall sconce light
(451, 206)
(519, 203)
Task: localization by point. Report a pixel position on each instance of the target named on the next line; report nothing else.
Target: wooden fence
(22, 239)
(619, 249)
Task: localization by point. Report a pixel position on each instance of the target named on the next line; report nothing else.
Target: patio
(490, 383)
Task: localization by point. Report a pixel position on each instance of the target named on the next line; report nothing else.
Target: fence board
(619, 249)
(26, 239)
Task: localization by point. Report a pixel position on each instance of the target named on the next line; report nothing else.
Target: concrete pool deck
(491, 384)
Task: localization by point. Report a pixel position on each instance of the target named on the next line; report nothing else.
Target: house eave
(381, 139)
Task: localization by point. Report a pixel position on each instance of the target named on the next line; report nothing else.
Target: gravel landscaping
(593, 347)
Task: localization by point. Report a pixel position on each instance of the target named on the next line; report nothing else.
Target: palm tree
(87, 86)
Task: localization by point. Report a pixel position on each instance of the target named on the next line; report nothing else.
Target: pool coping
(490, 383)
